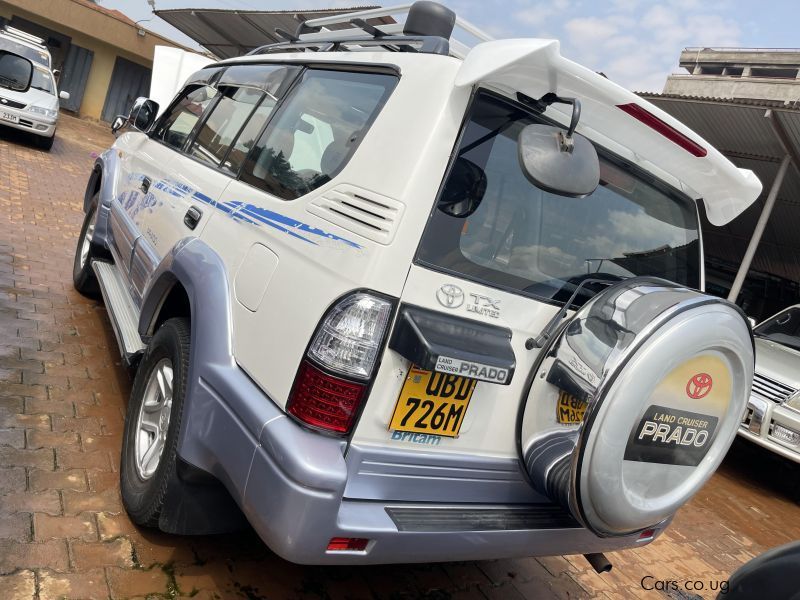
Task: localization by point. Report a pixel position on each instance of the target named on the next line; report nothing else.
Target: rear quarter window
(316, 131)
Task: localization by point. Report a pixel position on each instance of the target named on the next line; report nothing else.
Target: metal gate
(74, 76)
(128, 82)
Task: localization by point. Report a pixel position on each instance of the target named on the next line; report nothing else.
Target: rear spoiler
(616, 119)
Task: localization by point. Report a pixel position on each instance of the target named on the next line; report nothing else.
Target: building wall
(109, 38)
(714, 86)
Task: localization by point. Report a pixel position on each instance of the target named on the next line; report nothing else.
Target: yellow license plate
(570, 410)
(433, 403)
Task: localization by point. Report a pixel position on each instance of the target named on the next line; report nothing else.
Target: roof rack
(23, 35)
(428, 27)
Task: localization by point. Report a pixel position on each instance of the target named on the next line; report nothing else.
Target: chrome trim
(760, 407)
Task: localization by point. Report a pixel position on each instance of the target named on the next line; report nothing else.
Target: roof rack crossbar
(320, 28)
(23, 35)
(423, 44)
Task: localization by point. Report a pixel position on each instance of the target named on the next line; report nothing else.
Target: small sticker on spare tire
(670, 436)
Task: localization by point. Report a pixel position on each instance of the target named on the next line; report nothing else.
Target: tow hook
(599, 562)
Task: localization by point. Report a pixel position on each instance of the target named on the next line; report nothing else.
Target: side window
(316, 131)
(248, 135)
(223, 124)
(175, 127)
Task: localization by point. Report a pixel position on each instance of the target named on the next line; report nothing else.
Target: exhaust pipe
(598, 561)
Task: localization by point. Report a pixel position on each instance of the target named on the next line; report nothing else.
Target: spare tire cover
(634, 403)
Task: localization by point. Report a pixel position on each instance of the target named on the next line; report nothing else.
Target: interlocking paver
(63, 393)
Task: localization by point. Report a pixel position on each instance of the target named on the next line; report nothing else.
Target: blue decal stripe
(252, 214)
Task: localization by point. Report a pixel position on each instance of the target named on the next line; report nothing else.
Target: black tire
(143, 497)
(83, 277)
(45, 143)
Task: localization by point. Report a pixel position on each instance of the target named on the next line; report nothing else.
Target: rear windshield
(529, 241)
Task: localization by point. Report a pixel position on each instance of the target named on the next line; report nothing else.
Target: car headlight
(46, 112)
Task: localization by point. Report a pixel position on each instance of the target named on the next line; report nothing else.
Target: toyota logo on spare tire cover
(699, 386)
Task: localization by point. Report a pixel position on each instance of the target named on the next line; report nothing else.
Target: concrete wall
(714, 86)
(104, 35)
(740, 57)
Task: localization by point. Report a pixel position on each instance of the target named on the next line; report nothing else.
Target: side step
(122, 313)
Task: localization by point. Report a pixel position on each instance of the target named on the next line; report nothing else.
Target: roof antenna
(429, 19)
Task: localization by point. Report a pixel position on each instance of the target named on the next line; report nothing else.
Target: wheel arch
(191, 282)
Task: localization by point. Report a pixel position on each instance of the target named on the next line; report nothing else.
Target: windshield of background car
(783, 328)
(15, 72)
(42, 80)
(32, 54)
(533, 242)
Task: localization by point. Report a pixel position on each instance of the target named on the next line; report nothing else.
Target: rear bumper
(297, 522)
(290, 483)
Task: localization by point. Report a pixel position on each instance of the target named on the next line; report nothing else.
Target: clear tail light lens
(349, 339)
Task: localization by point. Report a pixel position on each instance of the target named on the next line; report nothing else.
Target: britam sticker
(671, 437)
(465, 368)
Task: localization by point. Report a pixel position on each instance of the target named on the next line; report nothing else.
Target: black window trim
(287, 86)
(602, 151)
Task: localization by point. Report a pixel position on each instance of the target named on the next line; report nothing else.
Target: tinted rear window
(524, 239)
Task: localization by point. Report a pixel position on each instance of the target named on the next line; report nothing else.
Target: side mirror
(63, 95)
(143, 113)
(464, 191)
(16, 72)
(118, 123)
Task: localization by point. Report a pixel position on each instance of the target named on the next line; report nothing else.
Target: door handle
(192, 217)
(146, 183)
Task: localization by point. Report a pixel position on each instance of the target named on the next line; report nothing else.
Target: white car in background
(772, 419)
(34, 109)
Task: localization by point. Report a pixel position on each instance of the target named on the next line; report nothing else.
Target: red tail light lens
(642, 114)
(339, 544)
(324, 401)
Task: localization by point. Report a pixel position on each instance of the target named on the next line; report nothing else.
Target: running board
(122, 313)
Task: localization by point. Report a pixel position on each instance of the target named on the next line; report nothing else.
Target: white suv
(383, 296)
(34, 109)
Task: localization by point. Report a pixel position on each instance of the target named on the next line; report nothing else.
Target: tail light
(668, 131)
(333, 377)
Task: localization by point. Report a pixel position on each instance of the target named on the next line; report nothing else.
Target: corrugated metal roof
(230, 33)
(740, 129)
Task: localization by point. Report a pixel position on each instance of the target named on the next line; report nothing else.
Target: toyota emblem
(699, 386)
(450, 296)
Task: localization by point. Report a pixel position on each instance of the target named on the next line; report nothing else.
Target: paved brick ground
(62, 396)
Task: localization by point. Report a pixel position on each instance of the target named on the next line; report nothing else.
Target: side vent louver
(367, 214)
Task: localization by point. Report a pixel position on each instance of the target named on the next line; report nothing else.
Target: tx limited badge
(452, 296)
